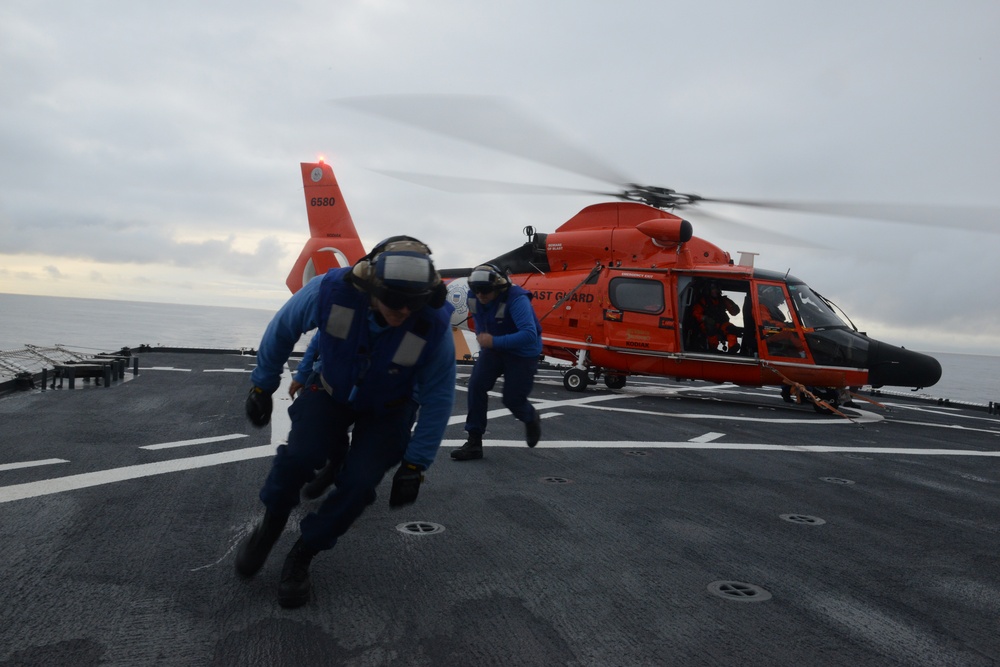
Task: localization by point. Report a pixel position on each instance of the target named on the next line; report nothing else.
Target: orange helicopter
(619, 288)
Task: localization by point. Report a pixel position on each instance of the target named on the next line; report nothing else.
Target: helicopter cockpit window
(637, 295)
(777, 330)
(814, 312)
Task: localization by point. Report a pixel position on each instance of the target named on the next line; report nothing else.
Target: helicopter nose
(899, 367)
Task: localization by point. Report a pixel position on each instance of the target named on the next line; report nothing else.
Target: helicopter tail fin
(333, 239)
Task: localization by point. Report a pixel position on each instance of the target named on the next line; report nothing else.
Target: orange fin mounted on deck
(333, 239)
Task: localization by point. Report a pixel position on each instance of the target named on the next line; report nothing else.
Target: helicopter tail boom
(334, 240)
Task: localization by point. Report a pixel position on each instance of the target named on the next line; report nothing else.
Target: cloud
(120, 242)
(168, 137)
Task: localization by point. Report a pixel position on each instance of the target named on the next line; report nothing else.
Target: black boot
(257, 545)
(295, 585)
(324, 478)
(472, 449)
(533, 430)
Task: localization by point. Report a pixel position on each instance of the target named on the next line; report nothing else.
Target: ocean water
(97, 325)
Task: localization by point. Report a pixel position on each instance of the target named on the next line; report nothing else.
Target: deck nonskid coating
(597, 547)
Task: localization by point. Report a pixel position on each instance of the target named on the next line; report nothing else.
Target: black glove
(259, 406)
(406, 484)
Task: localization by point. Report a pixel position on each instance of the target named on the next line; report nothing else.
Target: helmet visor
(403, 280)
(399, 300)
(482, 281)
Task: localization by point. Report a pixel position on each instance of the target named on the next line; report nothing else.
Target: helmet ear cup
(363, 274)
(439, 294)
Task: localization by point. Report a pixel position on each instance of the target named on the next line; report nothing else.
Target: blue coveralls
(517, 345)
(310, 362)
(406, 367)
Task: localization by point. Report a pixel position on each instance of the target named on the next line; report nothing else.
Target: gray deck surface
(867, 542)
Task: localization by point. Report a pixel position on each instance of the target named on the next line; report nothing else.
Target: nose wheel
(576, 379)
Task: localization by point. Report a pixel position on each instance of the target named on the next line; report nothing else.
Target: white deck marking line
(937, 410)
(863, 417)
(227, 370)
(801, 449)
(500, 412)
(30, 464)
(196, 441)
(279, 424)
(166, 368)
(708, 437)
(540, 405)
(955, 427)
(85, 480)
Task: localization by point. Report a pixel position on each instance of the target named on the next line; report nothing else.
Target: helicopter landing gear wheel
(614, 381)
(575, 380)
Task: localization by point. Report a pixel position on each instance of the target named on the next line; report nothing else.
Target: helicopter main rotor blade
(462, 185)
(495, 123)
(745, 231)
(972, 218)
(492, 122)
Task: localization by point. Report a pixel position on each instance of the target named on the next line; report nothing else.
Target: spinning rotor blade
(973, 218)
(462, 185)
(495, 123)
(740, 230)
(744, 231)
(491, 122)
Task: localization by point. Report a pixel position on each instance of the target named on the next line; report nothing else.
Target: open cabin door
(716, 315)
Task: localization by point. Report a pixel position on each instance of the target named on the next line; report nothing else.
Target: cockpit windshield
(813, 311)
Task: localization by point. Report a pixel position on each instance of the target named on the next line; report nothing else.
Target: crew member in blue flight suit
(386, 347)
(510, 341)
(309, 364)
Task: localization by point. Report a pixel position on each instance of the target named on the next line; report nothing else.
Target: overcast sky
(150, 151)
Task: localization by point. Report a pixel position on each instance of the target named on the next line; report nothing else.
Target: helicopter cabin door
(778, 333)
(637, 315)
(716, 315)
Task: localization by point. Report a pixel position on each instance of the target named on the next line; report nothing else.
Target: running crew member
(387, 350)
(510, 341)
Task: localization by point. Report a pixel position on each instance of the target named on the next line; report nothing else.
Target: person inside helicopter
(771, 300)
(711, 313)
(777, 329)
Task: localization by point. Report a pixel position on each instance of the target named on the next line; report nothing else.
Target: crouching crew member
(510, 341)
(386, 345)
